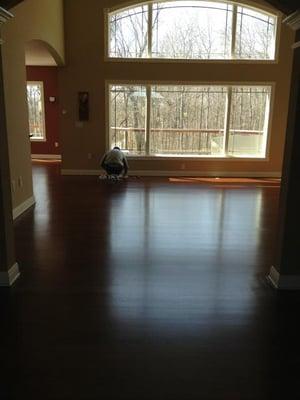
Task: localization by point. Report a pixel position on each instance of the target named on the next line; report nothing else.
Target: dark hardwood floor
(150, 289)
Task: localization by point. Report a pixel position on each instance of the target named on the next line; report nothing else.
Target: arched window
(192, 30)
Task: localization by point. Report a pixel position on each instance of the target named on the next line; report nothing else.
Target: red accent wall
(48, 75)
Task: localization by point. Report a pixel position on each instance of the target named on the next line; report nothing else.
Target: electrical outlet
(78, 124)
(56, 144)
(20, 182)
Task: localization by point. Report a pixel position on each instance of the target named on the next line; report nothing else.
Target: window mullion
(234, 31)
(266, 123)
(227, 119)
(148, 118)
(150, 22)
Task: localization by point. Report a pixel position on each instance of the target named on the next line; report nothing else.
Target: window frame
(44, 138)
(225, 157)
(249, 4)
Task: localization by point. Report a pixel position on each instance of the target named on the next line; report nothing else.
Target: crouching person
(115, 163)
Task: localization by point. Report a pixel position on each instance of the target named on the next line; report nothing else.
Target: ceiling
(286, 6)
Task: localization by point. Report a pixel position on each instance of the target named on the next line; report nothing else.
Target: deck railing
(174, 140)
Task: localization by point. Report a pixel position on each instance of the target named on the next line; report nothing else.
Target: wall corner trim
(23, 207)
(8, 278)
(283, 282)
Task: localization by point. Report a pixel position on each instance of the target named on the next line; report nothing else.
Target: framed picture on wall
(83, 106)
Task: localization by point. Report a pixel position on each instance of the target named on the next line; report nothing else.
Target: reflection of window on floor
(35, 100)
(215, 121)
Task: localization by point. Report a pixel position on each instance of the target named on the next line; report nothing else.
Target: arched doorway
(42, 98)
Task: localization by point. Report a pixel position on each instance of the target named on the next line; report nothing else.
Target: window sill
(190, 61)
(195, 158)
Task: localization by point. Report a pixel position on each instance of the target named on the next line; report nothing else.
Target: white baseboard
(86, 172)
(283, 282)
(8, 278)
(222, 174)
(46, 156)
(23, 207)
(208, 174)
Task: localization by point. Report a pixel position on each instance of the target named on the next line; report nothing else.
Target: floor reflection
(168, 253)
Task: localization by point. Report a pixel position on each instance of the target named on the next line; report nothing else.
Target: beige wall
(33, 20)
(87, 70)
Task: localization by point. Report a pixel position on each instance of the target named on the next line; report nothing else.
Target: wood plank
(147, 289)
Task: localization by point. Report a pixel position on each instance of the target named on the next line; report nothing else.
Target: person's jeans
(113, 169)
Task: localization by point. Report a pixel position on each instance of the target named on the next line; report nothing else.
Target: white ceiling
(37, 54)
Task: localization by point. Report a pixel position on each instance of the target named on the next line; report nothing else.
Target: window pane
(187, 120)
(127, 118)
(249, 121)
(35, 101)
(129, 33)
(255, 35)
(191, 30)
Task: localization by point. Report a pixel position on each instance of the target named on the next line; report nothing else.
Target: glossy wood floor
(150, 289)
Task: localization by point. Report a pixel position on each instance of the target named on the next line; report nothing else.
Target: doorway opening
(42, 99)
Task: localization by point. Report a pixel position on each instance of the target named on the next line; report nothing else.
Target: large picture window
(190, 120)
(36, 112)
(192, 30)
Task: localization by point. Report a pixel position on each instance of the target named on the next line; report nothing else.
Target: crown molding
(293, 20)
(296, 45)
(4, 17)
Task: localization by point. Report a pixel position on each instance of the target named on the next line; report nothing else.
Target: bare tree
(187, 119)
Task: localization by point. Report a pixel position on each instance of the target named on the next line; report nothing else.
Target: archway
(42, 61)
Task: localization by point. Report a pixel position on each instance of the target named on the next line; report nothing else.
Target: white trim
(148, 118)
(283, 282)
(200, 173)
(17, 211)
(190, 60)
(33, 140)
(159, 82)
(150, 31)
(4, 15)
(7, 278)
(78, 172)
(296, 45)
(106, 35)
(273, 277)
(227, 120)
(201, 158)
(233, 31)
(46, 156)
(254, 4)
(293, 20)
